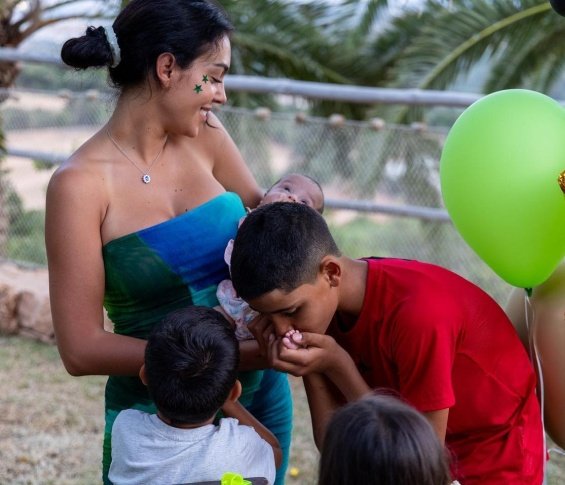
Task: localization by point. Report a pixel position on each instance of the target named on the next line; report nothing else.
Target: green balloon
(499, 175)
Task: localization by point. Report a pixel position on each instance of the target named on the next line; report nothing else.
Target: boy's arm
(330, 375)
(234, 409)
(320, 354)
(438, 420)
(323, 399)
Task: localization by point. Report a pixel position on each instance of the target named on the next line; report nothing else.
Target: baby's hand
(291, 339)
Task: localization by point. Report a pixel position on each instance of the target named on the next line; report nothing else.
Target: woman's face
(199, 87)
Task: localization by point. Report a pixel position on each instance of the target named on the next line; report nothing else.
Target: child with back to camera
(293, 187)
(379, 440)
(419, 329)
(190, 369)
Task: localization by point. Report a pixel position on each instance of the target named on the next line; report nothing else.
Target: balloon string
(534, 355)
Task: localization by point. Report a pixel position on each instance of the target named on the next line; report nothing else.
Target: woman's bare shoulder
(80, 176)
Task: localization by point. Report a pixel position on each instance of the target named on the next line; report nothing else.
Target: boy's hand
(315, 353)
(321, 354)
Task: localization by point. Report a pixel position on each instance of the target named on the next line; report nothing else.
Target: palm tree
(520, 39)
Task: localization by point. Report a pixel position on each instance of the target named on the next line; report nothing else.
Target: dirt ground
(51, 423)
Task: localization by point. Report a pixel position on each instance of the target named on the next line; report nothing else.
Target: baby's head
(295, 187)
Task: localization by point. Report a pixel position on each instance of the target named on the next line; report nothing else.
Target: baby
(290, 188)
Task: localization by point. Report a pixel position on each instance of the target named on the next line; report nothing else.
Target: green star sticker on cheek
(205, 79)
(198, 88)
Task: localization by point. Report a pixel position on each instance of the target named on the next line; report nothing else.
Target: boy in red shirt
(349, 326)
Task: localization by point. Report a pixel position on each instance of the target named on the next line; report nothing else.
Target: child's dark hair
(145, 29)
(191, 363)
(279, 246)
(379, 440)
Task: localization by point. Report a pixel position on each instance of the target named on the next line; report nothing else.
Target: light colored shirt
(146, 450)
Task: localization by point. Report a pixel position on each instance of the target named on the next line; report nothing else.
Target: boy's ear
(143, 375)
(235, 391)
(164, 67)
(330, 269)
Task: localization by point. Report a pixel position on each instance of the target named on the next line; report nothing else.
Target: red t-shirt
(442, 342)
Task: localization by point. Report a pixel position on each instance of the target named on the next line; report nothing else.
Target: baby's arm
(234, 409)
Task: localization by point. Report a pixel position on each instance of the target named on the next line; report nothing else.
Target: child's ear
(143, 375)
(330, 269)
(235, 392)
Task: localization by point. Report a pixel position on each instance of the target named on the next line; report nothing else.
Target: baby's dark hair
(145, 29)
(313, 180)
(191, 363)
(379, 440)
(279, 246)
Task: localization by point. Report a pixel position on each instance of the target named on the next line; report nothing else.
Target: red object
(442, 342)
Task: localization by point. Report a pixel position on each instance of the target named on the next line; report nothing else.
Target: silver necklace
(145, 177)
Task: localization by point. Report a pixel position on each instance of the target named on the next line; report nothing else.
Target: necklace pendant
(146, 178)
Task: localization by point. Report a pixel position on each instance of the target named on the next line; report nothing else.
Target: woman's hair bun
(90, 50)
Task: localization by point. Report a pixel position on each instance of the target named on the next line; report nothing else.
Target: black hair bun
(558, 6)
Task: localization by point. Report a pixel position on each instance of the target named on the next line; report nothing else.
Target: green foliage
(26, 240)
(52, 78)
(26, 230)
(78, 112)
(409, 238)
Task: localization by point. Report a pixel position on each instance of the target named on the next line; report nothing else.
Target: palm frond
(455, 38)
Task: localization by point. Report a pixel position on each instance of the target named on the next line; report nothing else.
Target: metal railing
(381, 181)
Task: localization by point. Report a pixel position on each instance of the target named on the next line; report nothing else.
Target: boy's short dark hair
(279, 246)
(191, 363)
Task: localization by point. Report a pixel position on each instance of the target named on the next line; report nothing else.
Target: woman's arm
(250, 356)
(229, 167)
(74, 214)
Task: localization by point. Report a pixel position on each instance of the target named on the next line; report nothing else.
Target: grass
(51, 423)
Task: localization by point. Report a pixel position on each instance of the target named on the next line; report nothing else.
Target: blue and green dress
(168, 266)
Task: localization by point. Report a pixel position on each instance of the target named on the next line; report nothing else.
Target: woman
(139, 216)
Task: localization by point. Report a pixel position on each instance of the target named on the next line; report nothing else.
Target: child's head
(295, 187)
(191, 363)
(284, 263)
(380, 440)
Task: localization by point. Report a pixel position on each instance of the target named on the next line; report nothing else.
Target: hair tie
(114, 47)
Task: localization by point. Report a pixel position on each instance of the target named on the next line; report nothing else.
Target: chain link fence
(381, 181)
